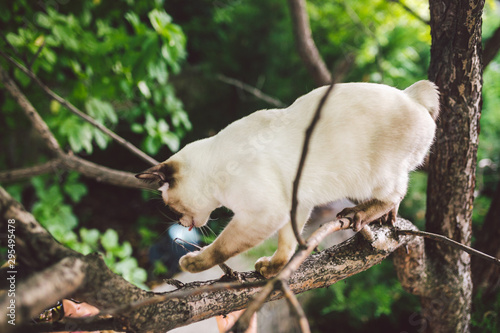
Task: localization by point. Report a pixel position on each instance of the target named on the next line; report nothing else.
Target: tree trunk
(457, 69)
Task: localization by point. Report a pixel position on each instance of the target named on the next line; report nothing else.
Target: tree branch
(491, 48)
(23, 173)
(305, 43)
(37, 121)
(121, 141)
(305, 149)
(64, 160)
(105, 290)
(252, 90)
(451, 242)
(411, 12)
(34, 294)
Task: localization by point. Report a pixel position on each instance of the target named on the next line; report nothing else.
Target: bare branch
(296, 309)
(23, 173)
(124, 143)
(302, 253)
(37, 121)
(35, 56)
(305, 43)
(411, 12)
(305, 149)
(491, 48)
(451, 242)
(252, 90)
(342, 69)
(64, 160)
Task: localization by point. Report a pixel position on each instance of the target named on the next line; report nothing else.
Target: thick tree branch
(101, 288)
(35, 294)
(491, 48)
(23, 173)
(305, 43)
(124, 143)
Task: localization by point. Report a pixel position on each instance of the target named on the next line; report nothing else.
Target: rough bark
(305, 43)
(100, 287)
(457, 69)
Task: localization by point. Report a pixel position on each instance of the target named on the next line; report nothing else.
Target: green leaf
(124, 251)
(109, 240)
(137, 128)
(90, 237)
(160, 21)
(75, 191)
(171, 140)
(143, 87)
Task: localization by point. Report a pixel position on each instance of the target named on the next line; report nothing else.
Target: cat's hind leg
(369, 211)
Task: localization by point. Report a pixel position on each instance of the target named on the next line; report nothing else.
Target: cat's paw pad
(192, 262)
(267, 267)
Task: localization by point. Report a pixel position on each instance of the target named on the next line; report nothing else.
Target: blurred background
(156, 73)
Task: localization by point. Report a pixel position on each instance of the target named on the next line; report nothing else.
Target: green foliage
(356, 302)
(115, 69)
(52, 209)
(114, 62)
(486, 318)
(414, 204)
(56, 215)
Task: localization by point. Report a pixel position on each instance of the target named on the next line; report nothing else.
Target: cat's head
(178, 193)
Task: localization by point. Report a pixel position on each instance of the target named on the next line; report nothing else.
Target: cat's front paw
(267, 267)
(193, 262)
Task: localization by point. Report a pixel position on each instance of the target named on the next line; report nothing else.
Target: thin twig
(341, 70)
(305, 149)
(136, 151)
(35, 56)
(296, 308)
(252, 90)
(411, 11)
(298, 258)
(451, 242)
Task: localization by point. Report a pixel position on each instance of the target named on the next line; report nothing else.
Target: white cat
(369, 137)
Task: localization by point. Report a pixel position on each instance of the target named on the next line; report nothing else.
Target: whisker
(171, 219)
(211, 230)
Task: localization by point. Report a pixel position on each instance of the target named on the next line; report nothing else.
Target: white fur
(369, 137)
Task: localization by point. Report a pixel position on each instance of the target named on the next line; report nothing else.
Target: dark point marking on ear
(165, 172)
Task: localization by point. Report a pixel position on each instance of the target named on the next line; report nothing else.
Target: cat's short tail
(426, 94)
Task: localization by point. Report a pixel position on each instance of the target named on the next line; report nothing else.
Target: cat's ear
(162, 173)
